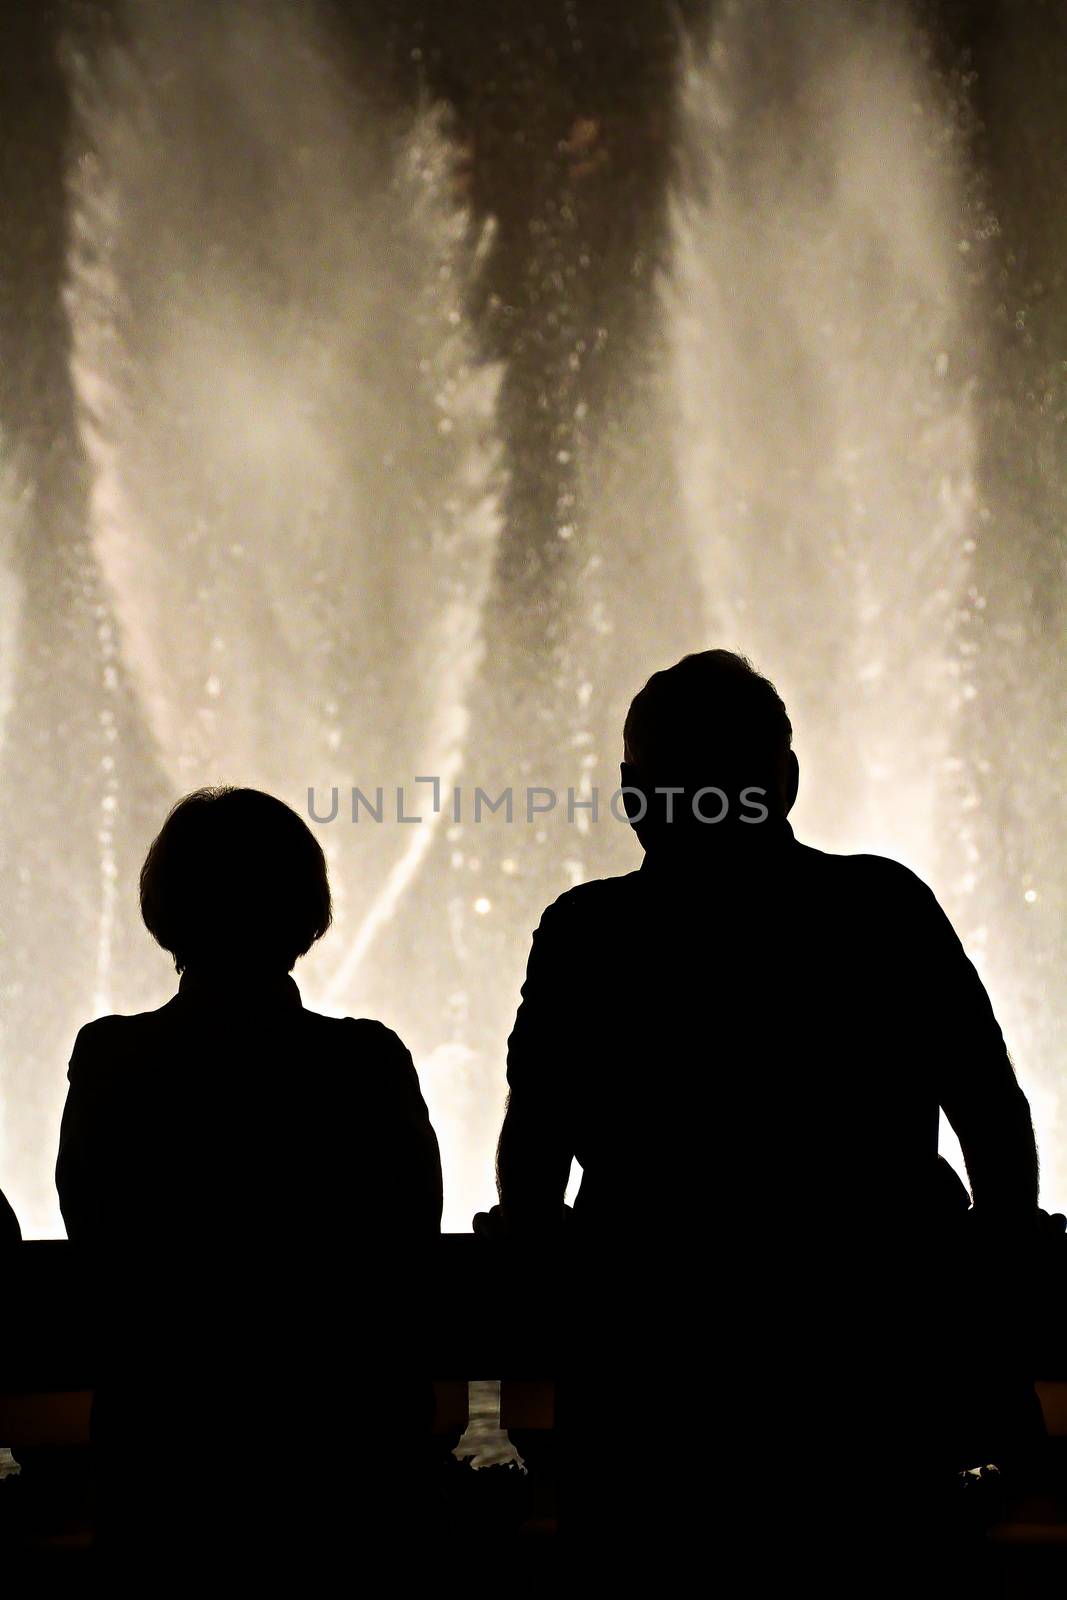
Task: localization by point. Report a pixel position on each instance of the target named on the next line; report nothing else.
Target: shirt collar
(747, 848)
(231, 989)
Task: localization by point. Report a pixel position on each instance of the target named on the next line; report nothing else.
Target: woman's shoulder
(370, 1046)
(363, 1033)
(107, 1049)
(107, 1031)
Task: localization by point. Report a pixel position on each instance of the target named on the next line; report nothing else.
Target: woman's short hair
(235, 876)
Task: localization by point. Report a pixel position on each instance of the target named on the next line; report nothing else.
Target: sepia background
(387, 389)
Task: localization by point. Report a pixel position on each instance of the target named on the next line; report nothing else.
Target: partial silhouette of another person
(745, 1044)
(10, 1231)
(257, 1189)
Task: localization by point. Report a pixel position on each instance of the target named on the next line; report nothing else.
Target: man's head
(710, 723)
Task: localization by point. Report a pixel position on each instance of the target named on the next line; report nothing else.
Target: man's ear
(792, 782)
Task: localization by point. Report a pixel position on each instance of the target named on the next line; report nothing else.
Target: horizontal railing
(481, 1330)
(46, 1364)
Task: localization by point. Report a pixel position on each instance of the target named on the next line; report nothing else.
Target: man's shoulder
(599, 897)
(865, 876)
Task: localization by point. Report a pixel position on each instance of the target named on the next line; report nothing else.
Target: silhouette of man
(257, 1189)
(744, 1044)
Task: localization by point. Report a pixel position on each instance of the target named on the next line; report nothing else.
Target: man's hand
(494, 1227)
(490, 1225)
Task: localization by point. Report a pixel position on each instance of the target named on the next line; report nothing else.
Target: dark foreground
(1010, 1533)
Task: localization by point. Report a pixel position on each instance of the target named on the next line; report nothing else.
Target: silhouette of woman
(256, 1189)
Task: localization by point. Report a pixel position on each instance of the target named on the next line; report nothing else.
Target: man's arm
(536, 1147)
(977, 1087)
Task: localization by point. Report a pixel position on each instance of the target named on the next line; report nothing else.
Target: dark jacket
(745, 1050)
(767, 1033)
(257, 1189)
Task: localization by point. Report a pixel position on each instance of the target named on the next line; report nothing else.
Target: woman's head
(235, 878)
